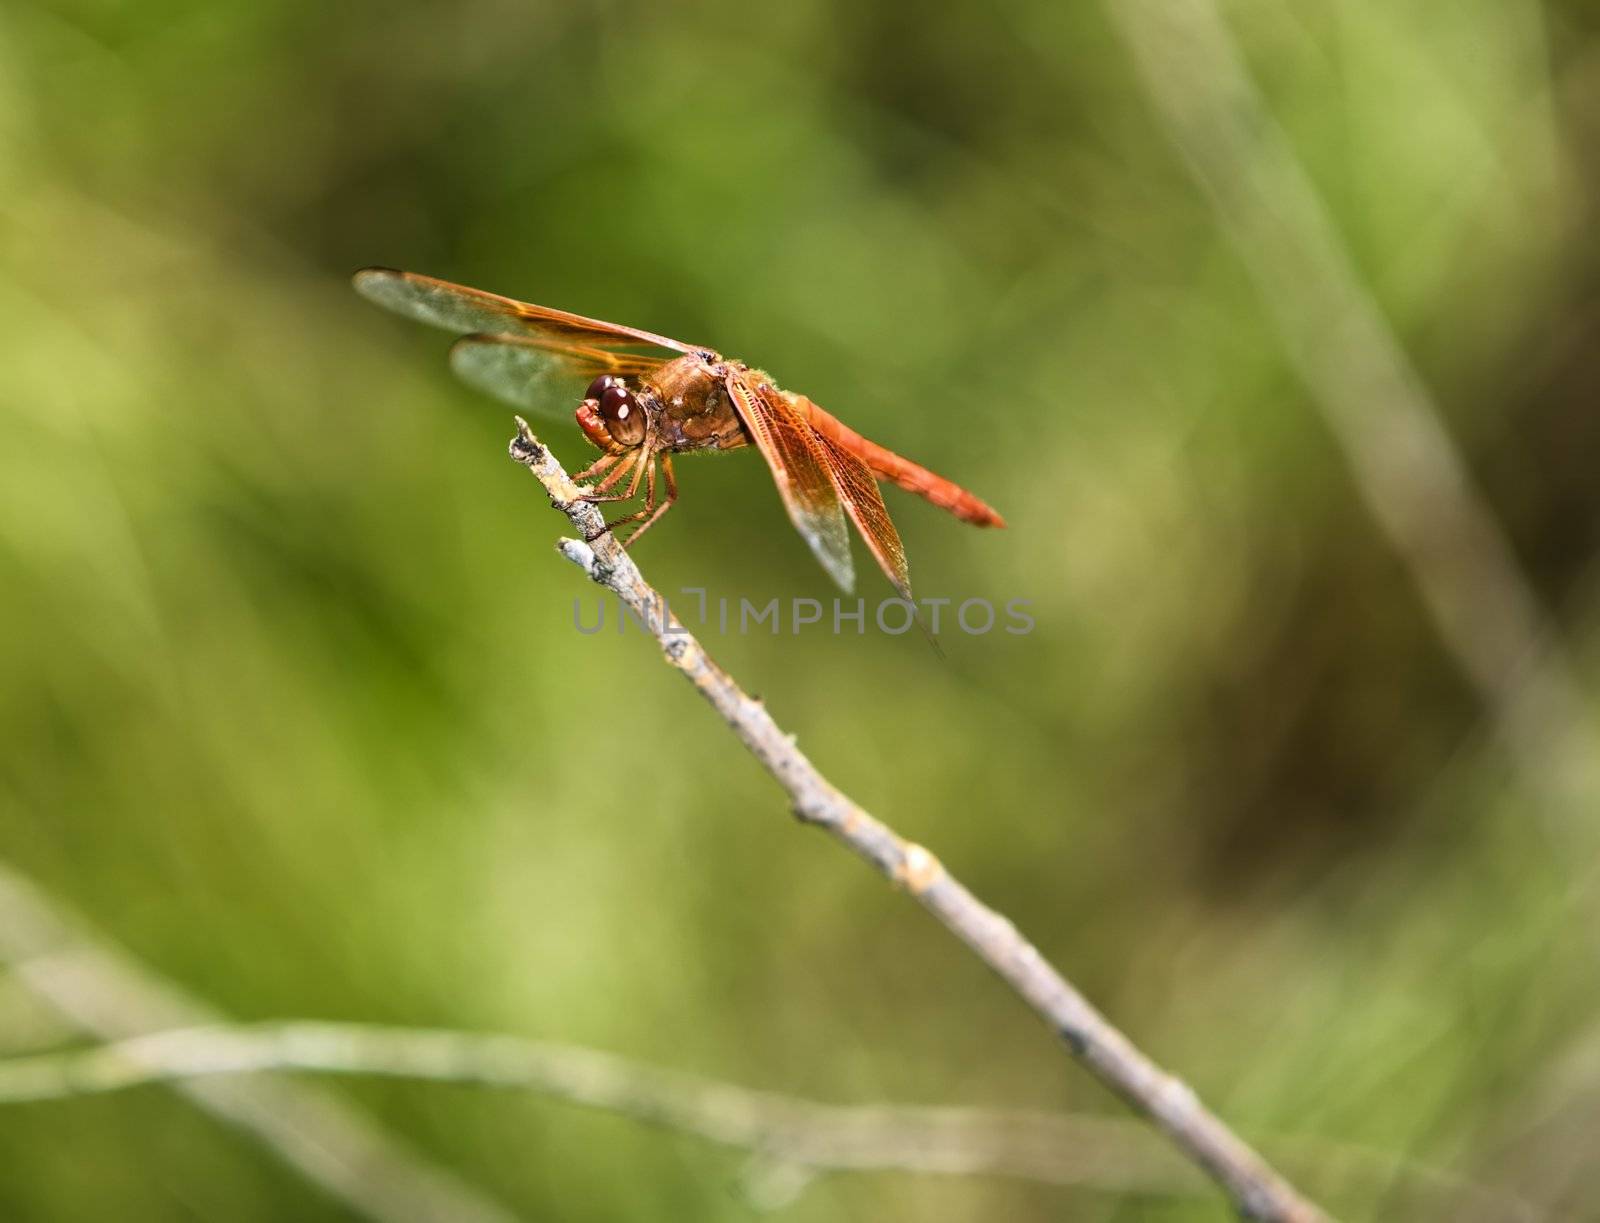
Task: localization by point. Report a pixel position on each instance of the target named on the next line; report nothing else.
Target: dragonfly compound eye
(599, 386)
(623, 416)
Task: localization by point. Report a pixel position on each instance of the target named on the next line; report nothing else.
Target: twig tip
(525, 447)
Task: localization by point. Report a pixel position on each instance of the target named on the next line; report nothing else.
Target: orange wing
(858, 489)
(799, 469)
(463, 310)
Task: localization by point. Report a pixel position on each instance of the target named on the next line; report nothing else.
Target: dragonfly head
(612, 416)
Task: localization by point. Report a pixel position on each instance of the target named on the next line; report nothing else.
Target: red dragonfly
(651, 397)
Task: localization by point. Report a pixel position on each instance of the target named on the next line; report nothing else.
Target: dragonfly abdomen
(887, 465)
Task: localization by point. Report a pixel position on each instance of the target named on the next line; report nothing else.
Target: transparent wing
(460, 309)
(539, 374)
(799, 469)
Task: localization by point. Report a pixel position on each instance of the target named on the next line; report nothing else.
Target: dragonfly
(650, 397)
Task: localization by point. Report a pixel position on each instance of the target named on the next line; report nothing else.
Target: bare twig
(804, 1136)
(102, 991)
(1403, 460)
(1257, 1190)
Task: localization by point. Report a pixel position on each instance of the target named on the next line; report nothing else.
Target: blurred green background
(292, 706)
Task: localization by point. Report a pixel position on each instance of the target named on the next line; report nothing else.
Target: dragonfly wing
(858, 490)
(538, 374)
(460, 309)
(799, 469)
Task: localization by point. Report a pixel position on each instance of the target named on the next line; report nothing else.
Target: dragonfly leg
(648, 507)
(625, 464)
(636, 463)
(655, 514)
(595, 468)
(645, 463)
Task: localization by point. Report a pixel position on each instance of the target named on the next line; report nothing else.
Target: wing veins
(466, 310)
(799, 469)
